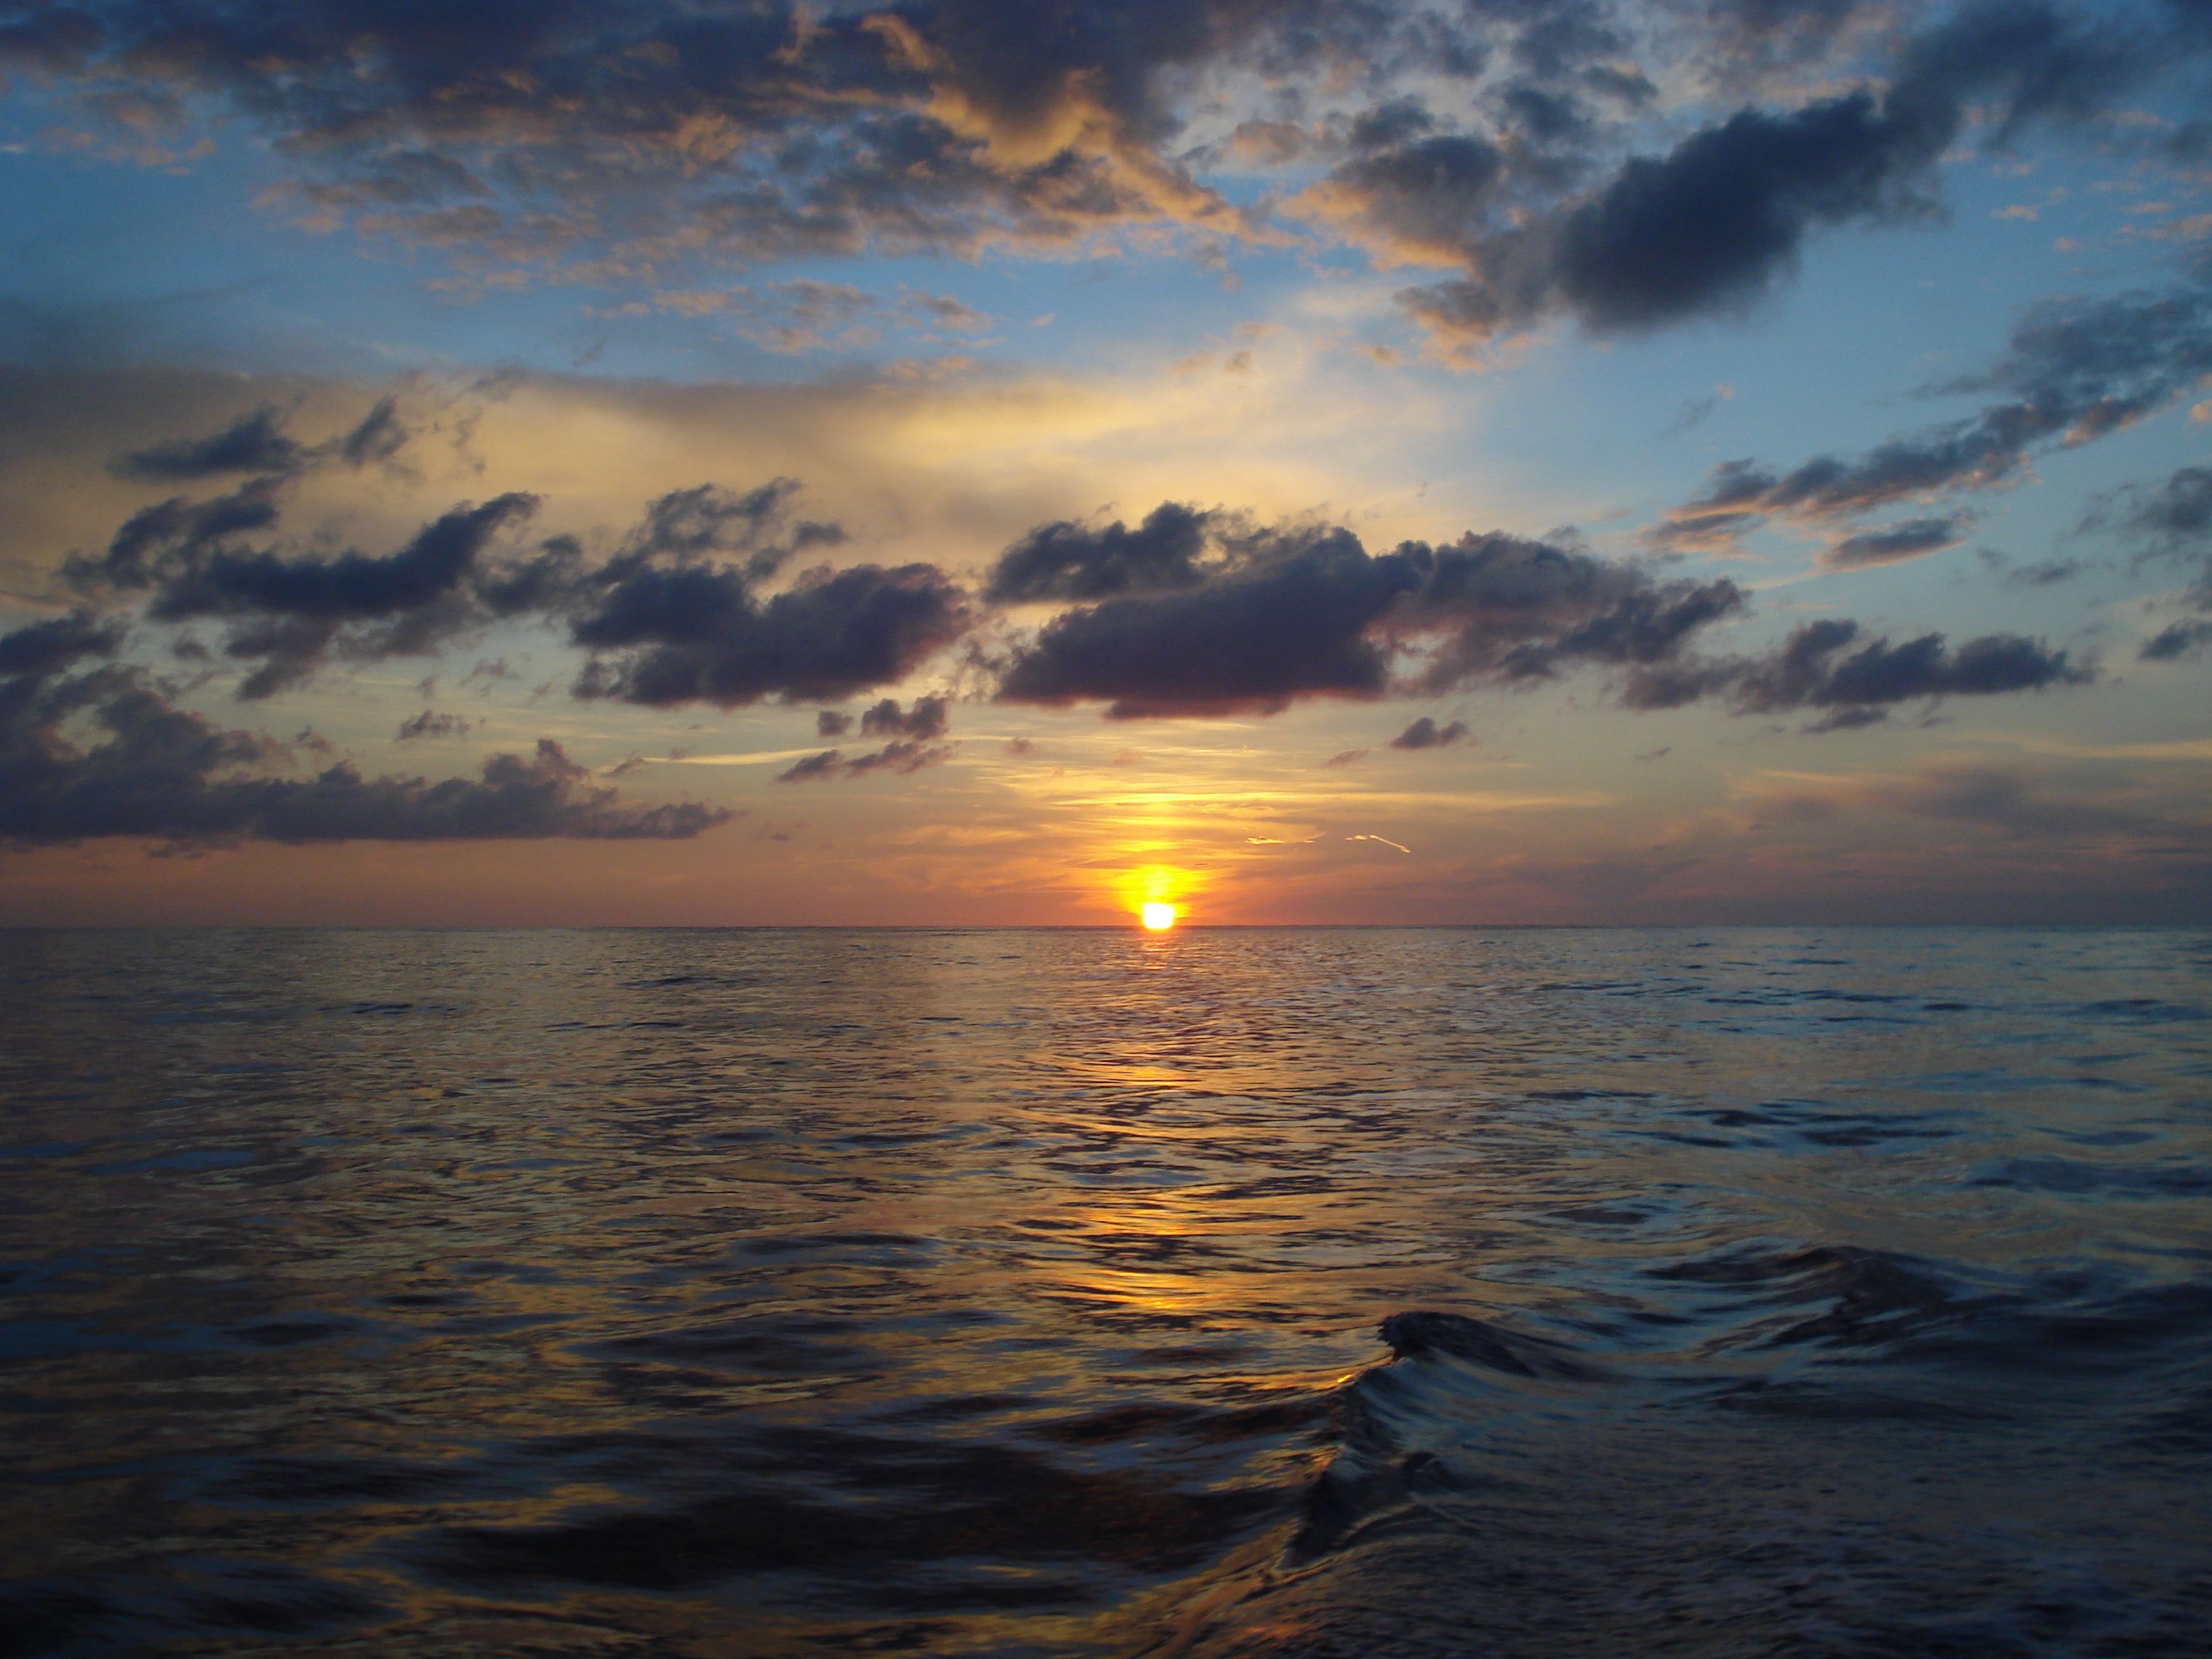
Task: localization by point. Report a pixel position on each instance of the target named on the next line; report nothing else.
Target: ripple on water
(1323, 1292)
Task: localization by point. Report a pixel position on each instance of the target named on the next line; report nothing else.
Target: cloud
(1308, 612)
(2048, 574)
(815, 767)
(926, 720)
(288, 615)
(254, 442)
(901, 759)
(522, 135)
(1385, 841)
(175, 534)
(1190, 612)
(1911, 538)
(700, 635)
(378, 437)
(2175, 515)
(39, 649)
(2176, 641)
(677, 612)
(943, 311)
(1713, 223)
(1411, 203)
(913, 732)
(802, 315)
(1425, 733)
(1832, 667)
(2172, 521)
(1064, 559)
(685, 527)
(2118, 806)
(676, 615)
(1753, 187)
(626, 143)
(431, 724)
(163, 772)
(2076, 370)
(1694, 411)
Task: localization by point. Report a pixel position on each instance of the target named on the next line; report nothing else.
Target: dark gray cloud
(175, 534)
(163, 773)
(432, 724)
(2173, 518)
(675, 614)
(254, 442)
(702, 636)
(2171, 521)
(913, 733)
(2048, 573)
(38, 649)
(1311, 613)
(708, 522)
(288, 615)
(257, 442)
(1710, 225)
(815, 768)
(1425, 733)
(2076, 370)
(378, 437)
(901, 759)
(1833, 668)
(1824, 665)
(1910, 538)
(1298, 627)
(1064, 559)
(2181, 510)
(927, 719)
(2176, 641)
(1388, 125)
(222, 581)
(1419, 202)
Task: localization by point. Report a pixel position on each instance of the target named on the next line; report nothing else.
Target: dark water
(1582, 1293)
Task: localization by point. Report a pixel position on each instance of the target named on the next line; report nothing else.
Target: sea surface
(1298, 1293)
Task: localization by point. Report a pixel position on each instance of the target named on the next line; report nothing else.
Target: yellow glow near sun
(1157, 894)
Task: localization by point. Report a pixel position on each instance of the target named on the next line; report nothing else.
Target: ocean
(1253, 1292)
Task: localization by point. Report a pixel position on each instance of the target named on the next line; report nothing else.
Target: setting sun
(1158, 918)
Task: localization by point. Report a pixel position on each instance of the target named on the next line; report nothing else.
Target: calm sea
(1271, 1293)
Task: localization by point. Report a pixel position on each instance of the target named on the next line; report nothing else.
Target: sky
(542, 462)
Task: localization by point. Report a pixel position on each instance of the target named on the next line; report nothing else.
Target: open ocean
(1349, 1292)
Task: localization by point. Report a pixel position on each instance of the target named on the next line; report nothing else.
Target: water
(1282, 1293)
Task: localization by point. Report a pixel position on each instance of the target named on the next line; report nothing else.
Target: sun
(1158, 917)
